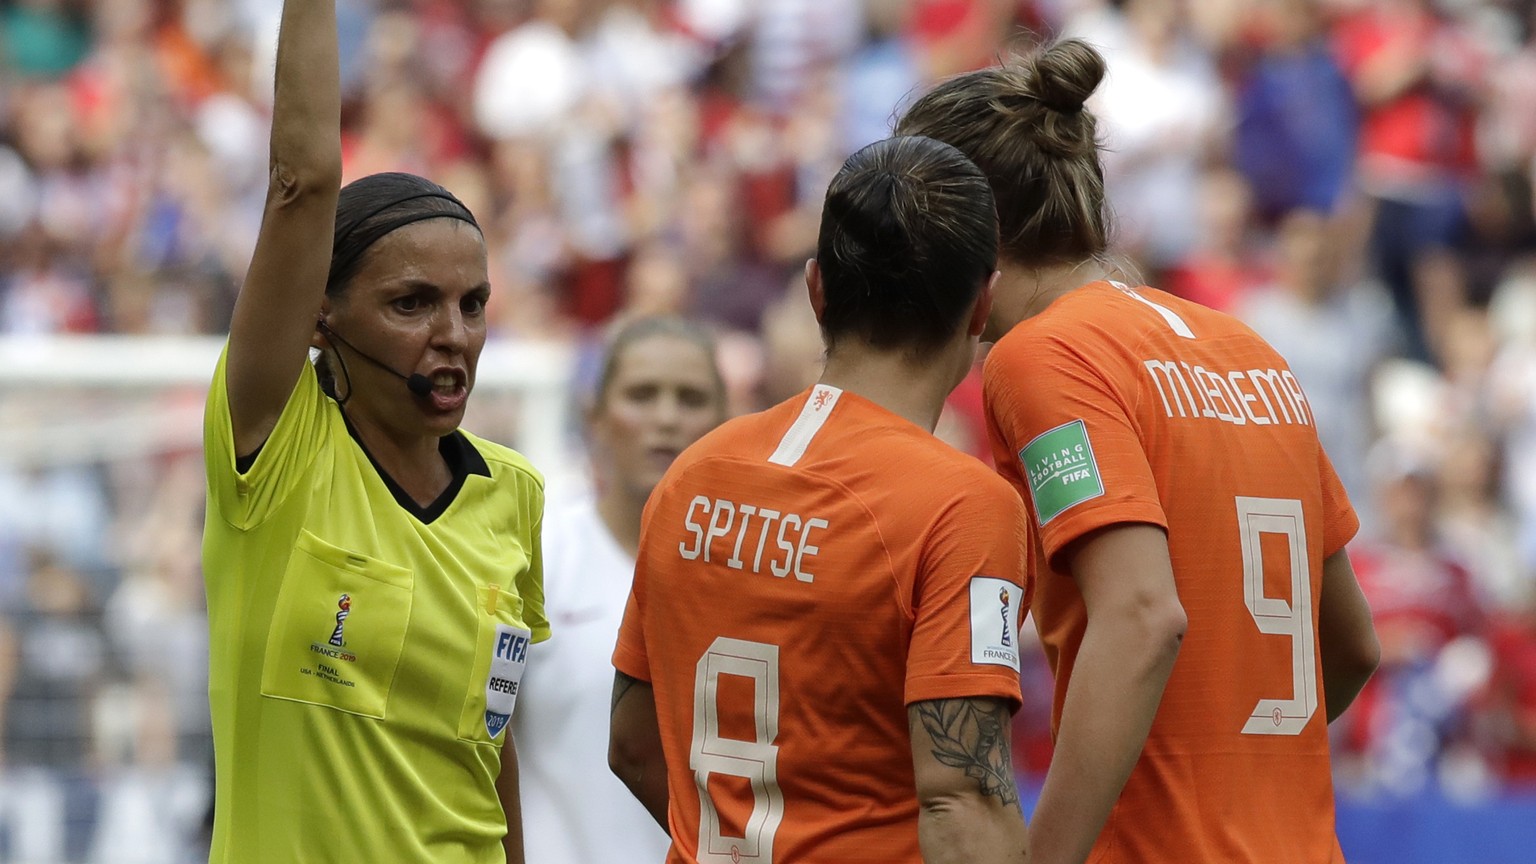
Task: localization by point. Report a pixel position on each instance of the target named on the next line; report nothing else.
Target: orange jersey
(804, 574)
(1122, 406)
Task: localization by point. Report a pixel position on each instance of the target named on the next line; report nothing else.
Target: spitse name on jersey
(792, 546)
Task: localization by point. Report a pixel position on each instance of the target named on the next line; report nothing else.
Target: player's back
(775, 592)
(1216, 441)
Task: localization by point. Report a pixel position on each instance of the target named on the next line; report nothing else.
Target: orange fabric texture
(1122, 406)
(786, 612)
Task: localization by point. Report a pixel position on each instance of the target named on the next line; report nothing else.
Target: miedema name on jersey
(1258, 396)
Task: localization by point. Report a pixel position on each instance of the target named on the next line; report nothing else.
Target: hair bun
(874, 223)
(1066, 74)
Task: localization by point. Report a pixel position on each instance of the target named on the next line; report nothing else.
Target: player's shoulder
(739, 444)
(505, 463)
(981, 483)
(749, 436)
(1112, 316)
(937, 457)
(1226, 337)
(1202, 320)
(928, 474)
(1078, 325)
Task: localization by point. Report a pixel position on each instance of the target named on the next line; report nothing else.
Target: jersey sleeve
(530, 582)
(244, 499)
(1340, 523)
(1066, 429)
(969, 597)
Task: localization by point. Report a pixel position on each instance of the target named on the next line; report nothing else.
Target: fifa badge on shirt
(509, 657)
(994, 611)
(1062, 470)
(335, 647)
(345, 605)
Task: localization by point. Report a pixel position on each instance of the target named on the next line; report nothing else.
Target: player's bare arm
(1135, 626)
(507, 791)
(1345, 635)
(274, 315)
(972, 735)
(963, 765)
(634, 744)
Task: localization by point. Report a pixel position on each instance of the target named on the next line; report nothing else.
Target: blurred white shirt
(1333, 347)
(575, 811)
(532, 77)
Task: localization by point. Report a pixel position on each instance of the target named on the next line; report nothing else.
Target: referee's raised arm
(275, 313)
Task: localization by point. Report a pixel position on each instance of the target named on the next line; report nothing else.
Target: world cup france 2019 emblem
(1002, 594)
(344, 605)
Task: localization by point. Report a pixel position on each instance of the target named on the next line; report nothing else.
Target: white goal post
(83, 399)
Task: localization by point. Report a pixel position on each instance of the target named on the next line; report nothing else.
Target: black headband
(375, 233)
(463, 213)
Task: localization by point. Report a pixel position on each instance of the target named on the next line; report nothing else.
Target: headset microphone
(419, 384)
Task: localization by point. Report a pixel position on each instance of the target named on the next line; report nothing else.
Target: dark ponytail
(908, 238)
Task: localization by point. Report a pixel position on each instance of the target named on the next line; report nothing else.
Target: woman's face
(663, 396)
(417, 305)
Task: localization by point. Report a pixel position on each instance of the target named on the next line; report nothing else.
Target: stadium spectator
(1222, 267)
(43, 38)
(879, 76)
(849, 697)
(151, 722)
(1151, 513)
(1472, 525)
(1512, 382)
(1163, 113)
(1332, 335)
(1418, 76)
(54, 661)
(1511, 705)
(1296, 118)
(1422, 601)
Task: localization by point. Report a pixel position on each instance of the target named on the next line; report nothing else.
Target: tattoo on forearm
(621, 685)
(972, 735)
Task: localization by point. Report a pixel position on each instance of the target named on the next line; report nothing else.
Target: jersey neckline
(462, 458)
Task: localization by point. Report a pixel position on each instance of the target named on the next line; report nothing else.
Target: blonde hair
(644, 328)
(1025, 126)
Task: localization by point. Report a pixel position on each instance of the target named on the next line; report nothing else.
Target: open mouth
(450, 389)
(447, 382)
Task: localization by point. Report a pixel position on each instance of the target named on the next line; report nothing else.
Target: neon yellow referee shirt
(365, 652)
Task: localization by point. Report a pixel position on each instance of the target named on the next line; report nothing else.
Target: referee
(374, 573)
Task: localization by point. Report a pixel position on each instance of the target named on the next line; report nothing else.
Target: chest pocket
(501, 655)
(339, 629)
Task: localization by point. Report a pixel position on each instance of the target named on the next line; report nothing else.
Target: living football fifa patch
(994, 613)
(509, 657)
(1061, 469)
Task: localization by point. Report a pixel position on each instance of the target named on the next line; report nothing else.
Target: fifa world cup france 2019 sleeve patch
(509, 657)
(1062, 470)
(994, 611)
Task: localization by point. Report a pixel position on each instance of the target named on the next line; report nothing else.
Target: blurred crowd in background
(1351, 177)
